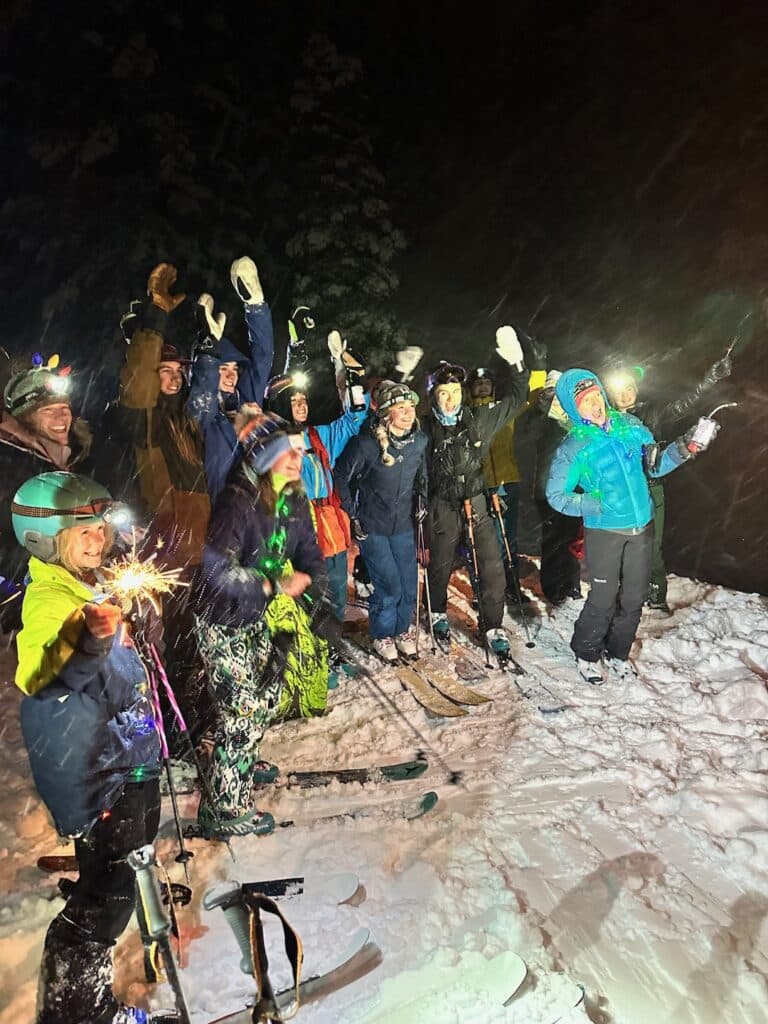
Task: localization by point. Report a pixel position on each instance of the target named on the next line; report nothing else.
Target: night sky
(593, 172)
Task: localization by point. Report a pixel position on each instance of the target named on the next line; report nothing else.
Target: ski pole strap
(265, 1005)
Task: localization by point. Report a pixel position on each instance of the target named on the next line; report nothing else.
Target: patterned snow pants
(236, 661)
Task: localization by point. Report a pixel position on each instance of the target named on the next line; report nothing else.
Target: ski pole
(496, 506)
(184, 855)
(157, 924)
(420, 552)
(418, 597)
(475, 574)
(204, 783)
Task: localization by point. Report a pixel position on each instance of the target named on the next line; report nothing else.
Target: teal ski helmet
(51, 502)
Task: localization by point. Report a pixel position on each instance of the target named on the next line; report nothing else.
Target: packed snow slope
(622, 844)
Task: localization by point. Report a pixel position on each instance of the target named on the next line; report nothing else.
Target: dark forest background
(596, 173)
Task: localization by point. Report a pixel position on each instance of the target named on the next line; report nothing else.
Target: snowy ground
(622, 844)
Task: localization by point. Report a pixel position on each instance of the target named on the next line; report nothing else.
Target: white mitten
(508, 347)
(335, 345)
(214, 325)
(407, 361)
(245, 281)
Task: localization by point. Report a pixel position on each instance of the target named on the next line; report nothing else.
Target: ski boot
(498, 642)
(406, 643)
(252, 823)
(442, 630)
(590, 671)
(384, 646)
(621, 667)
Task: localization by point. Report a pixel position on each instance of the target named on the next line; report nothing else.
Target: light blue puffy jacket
(598, 472)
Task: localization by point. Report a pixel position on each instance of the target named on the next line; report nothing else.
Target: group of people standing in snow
(258, 510)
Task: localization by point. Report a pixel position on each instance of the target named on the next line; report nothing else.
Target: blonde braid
(382, 436)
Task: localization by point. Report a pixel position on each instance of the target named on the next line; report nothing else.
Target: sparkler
(132, 581)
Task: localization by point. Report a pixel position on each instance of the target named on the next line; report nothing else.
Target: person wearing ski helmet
(90, 733)
(600, 472)
(623, 386)
(254, 631)
(560, 569)
(287, 395)
(38, 433)
(224, 379)
(459, 439)
(382, 481)
(502, 473)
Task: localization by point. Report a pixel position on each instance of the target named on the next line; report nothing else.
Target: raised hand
(210, 328)
(245, 281)
(161, 280)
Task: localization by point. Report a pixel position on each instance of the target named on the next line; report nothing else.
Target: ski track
(622, 843)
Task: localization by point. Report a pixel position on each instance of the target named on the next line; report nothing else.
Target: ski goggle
(115, 513)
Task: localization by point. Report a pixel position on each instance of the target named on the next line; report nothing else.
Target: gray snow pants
(619, 566)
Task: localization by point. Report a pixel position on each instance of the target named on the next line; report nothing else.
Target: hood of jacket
(226, 352)
(564, 389)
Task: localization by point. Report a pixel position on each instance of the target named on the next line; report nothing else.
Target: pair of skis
(546, 700)
(437, 692)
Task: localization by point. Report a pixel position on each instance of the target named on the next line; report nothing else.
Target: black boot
(75, 978)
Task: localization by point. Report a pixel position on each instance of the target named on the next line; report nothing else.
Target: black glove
(651, 455)
(535, 351)
(301, 324)
(357, 529)
(718, 371)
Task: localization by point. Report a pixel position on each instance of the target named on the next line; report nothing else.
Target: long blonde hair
(64, 547)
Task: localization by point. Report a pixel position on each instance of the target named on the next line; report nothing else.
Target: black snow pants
(560, 572)
(76, 971)
(619, 567)
(446, 526)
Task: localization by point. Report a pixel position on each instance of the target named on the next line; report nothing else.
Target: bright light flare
(133, 581)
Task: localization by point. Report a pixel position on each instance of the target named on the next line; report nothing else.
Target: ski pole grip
(229, 897)
(143, 861)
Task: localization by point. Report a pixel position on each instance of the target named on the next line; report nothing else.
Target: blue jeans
(336, 568)
(391, 564)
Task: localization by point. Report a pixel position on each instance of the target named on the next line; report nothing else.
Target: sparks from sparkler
(133, 580)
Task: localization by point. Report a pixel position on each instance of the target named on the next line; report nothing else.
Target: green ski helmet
(51, 502)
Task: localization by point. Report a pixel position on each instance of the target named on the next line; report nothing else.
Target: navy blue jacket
(246, 544)
(382, 497)
(210, 408)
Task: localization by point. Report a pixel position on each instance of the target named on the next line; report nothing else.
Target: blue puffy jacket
(334, 436)
(598, 472)
(382, 497)
(211, 409)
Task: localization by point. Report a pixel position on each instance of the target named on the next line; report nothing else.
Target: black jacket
(455, 454)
